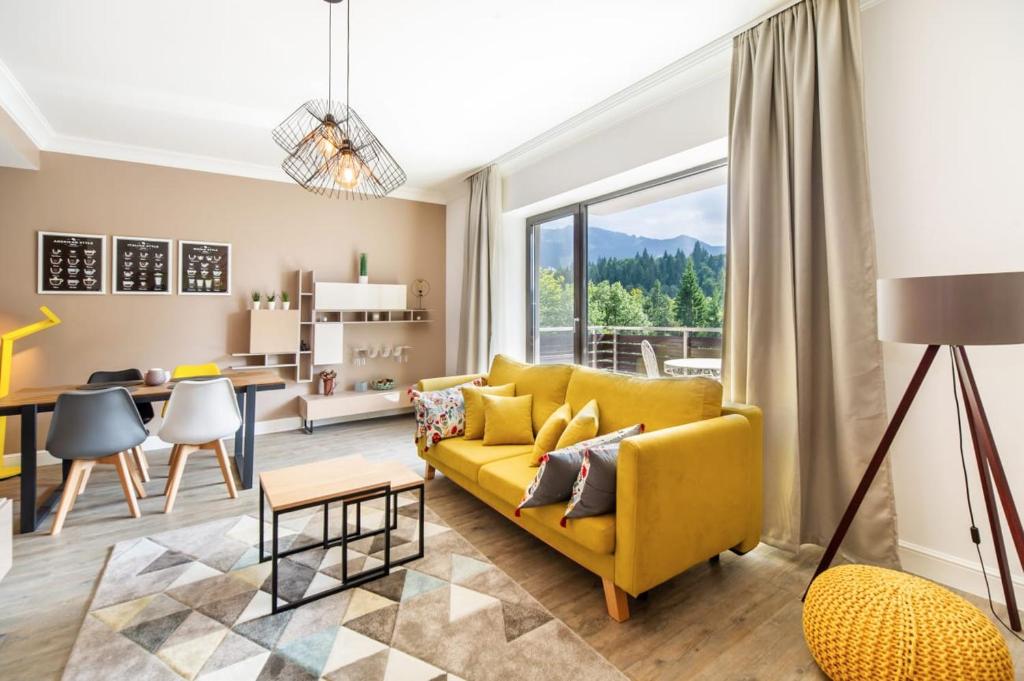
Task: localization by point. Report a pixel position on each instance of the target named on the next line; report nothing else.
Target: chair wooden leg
(615, 599)
(135, 474)
(141, 462)
(174, 482)
(86, 472)
(171, 459)
(67, 498)
(429, 472)
(225, 467)
(123, 473)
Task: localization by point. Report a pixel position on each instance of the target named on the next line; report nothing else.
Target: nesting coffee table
(349, 481)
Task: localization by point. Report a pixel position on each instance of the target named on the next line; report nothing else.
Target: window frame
(579, 212)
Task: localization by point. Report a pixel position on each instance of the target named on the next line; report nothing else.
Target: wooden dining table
(28, 403)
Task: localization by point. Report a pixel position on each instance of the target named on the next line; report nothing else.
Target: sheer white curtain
(800, 321)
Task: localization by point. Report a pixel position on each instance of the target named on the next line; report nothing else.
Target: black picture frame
(204, 268)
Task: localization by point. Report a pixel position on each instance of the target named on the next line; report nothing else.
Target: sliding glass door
(643, 264)
(553, 325)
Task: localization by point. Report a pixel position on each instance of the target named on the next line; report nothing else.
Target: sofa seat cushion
(508, 479)
(546, 382)
(655, 402)
(467, 456)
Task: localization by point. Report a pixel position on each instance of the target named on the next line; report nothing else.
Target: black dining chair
(146, 411)
(90, 427)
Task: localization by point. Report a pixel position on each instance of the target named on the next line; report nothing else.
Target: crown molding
(22, 110)
(80, 146)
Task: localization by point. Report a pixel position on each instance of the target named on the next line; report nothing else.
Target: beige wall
(274, 228)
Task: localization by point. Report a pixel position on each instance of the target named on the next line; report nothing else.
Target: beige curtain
(800, 322)
(480, 273)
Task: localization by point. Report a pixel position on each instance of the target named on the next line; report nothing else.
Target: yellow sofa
(688, 488)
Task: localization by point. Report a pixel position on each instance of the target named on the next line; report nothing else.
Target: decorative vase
(157, 376)
(364, 279)
(328, 385)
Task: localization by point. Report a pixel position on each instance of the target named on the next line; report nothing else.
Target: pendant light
(330, 149)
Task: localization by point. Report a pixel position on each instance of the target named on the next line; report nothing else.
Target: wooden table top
(312, 482)
(47, 396)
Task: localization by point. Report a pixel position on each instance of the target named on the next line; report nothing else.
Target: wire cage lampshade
(331, 151)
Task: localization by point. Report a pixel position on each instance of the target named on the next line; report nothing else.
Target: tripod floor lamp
(958, 311)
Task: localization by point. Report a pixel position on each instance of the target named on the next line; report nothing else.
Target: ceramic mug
(157, 376)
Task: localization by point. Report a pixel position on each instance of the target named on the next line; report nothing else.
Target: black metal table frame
(348, 499)
(32, 515)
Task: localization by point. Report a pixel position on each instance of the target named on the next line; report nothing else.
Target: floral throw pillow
(560, 469)
(440, 414)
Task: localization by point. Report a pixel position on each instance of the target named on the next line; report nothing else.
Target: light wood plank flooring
(739, 619)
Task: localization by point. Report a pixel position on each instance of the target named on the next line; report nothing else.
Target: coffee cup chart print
(71, 263)
(142, 266)
(204, 268)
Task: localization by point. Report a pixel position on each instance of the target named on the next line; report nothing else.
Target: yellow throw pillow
(473, 396)
(582, 427)
(508, 420)
(547, 438)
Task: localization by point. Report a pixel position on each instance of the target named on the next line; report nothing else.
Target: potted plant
(256, 300)
(272, 301)
(285, 301)
(364, 276)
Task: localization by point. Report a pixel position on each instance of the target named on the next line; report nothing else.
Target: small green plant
(255, 296)
(362, 265)
(284, 297)
(271, 297)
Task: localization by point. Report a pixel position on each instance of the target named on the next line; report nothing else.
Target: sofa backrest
(546, 382)
(657, 403)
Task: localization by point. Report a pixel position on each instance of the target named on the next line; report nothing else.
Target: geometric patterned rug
(194, 603)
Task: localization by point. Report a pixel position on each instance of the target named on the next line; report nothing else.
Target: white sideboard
(329, 295)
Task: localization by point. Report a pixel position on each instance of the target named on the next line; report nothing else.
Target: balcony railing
(617, 348)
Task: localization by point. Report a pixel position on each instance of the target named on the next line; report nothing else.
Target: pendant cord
(348, 70)
(330, 51)
(975, 533)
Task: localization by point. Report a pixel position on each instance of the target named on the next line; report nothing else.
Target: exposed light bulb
(327, 141)
(348, 170)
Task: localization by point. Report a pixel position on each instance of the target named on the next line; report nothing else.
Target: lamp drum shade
(962, 309)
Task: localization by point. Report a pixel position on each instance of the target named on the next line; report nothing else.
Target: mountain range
(556, 251)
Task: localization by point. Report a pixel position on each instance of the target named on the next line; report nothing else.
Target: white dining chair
(199, 415)
(650, 359)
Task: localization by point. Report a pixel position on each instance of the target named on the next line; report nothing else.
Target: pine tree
(659, 306)
(691, 303)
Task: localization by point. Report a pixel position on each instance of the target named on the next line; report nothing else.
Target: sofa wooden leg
(615, 599)
(429, 472)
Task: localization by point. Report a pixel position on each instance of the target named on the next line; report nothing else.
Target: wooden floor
(739, 619)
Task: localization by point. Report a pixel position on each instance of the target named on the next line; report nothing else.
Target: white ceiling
(447, 85)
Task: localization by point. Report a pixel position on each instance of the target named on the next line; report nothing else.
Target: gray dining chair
(90, 427)
(145, 409)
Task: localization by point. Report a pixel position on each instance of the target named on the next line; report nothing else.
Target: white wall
(944, 95)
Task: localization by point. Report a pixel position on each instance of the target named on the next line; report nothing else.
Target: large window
(643, 264)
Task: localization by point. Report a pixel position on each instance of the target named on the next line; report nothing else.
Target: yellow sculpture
(6, 358)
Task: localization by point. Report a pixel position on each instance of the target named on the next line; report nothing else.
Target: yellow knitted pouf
(864, 622)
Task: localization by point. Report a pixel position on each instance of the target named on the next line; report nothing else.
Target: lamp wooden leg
(428, 473)
(174, 482)
(876, 461)
(616, 600)
(225, 467)
(68, 496)
(141, 462)
(127, 485)
(988, 464)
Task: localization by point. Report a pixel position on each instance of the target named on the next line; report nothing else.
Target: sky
(700, 214)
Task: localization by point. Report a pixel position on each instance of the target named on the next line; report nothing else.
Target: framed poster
(204, 268)
(141, 266)
(71, 263)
